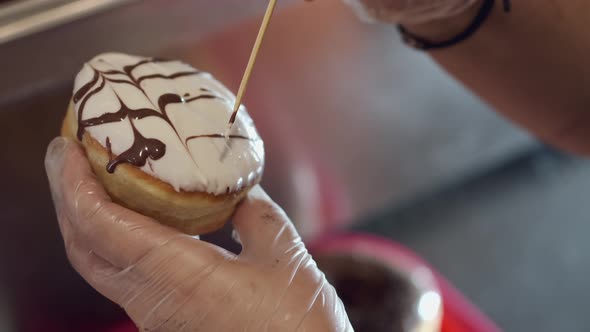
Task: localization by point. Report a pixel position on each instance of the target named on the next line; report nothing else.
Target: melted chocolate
(233, 117)
(81, 128)
(142, 148)
(84, 89)
(169, 77)
(215, 136)
(129, 69)
(201, 97)
(167, 99)
(114, 72)
(120, 115)
(138, 154)
(119, 81)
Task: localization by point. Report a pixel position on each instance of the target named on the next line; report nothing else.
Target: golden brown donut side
(192, 213)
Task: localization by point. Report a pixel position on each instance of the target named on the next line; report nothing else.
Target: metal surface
(36, 62)
(514, 241)
(31, 16)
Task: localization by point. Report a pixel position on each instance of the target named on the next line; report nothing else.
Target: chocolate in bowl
(377, 298)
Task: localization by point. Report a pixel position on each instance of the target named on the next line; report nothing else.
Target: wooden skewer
(246, 78)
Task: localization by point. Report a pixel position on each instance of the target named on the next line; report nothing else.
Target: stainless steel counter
(514, 241)
(25, 17)
(34, 62)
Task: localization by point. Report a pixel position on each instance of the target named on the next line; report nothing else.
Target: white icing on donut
(195, 159)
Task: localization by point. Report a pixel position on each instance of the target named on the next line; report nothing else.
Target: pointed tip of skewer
(227, 132)
(232, 120)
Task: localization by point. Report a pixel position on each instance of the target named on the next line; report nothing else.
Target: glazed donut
(154, 131)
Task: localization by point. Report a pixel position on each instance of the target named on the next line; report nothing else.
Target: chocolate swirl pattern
(167, 118)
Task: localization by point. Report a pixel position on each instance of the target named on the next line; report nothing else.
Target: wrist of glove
(409, 11)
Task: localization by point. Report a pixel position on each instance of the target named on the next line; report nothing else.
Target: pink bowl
(458, 314)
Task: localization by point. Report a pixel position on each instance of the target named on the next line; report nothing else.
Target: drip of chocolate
(138, 154)
(167, 99)
(200, 97)
(109, 149)
(142, 148)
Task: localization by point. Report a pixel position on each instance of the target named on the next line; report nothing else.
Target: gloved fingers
(176, 283)
(310, 299)
(263, 227)
(158, 288)
(231, 292)
(301, 285)
(327, 313)
(148, 302)
(91, 267)
(171, 279)
(115, 233)
(54, 168)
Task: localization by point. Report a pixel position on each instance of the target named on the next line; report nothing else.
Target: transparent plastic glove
(408, 11)
(168, 281)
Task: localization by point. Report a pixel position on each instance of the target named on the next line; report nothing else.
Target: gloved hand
(168, 281)
(409, 11)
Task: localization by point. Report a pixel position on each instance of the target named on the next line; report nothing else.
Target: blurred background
(361, 133)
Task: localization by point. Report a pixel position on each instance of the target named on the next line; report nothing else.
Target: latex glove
(409, 11)
(168, 281)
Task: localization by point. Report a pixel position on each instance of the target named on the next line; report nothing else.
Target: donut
(155, 133)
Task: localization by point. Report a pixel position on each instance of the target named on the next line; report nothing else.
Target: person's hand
(168, 281)
(409, 11)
